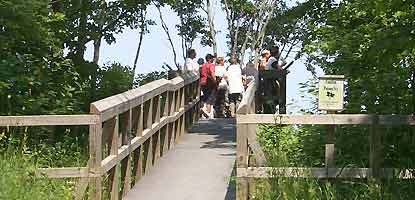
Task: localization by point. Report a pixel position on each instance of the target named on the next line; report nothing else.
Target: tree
(212, 30)
(373, 47)
(251, 19)
(192, 24)
(35, 77)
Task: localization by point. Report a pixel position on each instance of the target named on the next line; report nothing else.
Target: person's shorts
(211, 98)
(206, 92)
(234, 97)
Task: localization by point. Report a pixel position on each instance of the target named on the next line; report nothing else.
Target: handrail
(251, 161)
(247, 104)
(132, 130)
(117, 104)
(136, 128)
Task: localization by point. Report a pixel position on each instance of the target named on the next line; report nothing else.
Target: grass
(18, 181)
(303, 146)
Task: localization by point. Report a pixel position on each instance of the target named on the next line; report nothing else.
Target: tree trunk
(98, 40)
(235, 38)
(97, 48)
(212, 26)
(82, 38)
(143, 15)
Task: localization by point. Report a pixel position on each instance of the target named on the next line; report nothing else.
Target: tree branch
(166, 30)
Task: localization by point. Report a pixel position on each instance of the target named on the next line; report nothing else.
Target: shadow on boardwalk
(224, 131)
(199, 167)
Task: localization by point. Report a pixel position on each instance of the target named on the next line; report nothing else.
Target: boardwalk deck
(198, 168)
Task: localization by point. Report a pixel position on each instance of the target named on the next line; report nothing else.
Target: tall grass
(293, 146)
(18, 181)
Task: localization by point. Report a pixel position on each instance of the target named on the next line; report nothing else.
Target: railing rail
(248, 148)
(128, 132)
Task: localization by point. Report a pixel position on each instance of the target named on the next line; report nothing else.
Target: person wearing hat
(266, 54)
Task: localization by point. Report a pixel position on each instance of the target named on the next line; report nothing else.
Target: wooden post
(95, 155)
(375, 145)
(166, 109)
(148, 151)
(172, 134)
(177, 100)
(126, 162)
(140, 120)
(182, 103)
(171, 103)
(330, 147)
(242, 184)
(113, 177)
(165, 136)
(157, 104)
(157, 149)
(283, 95)
(138, 163)
(149, 119)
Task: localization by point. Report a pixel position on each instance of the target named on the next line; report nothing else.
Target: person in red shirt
(208, 83)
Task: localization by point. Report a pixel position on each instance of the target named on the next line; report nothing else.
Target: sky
(156, 51)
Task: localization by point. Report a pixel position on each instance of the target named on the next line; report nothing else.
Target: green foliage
(303, 146)
(114, 79)
(18, 181)
(35, 78)
(192, 24)
(142, 79)
(372, 44)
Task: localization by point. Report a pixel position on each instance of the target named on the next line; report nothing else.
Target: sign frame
(336, 83)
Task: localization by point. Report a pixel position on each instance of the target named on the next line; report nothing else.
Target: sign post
(331, 99)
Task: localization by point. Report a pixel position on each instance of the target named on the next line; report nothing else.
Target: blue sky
(156, 50)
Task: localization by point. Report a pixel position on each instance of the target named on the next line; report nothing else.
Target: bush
(303, 146)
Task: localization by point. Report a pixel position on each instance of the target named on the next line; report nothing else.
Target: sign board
(331, 93)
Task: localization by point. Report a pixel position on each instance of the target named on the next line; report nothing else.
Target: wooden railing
(128, 133)
(248, 148)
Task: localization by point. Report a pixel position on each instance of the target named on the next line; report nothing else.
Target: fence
(128, 133)
(247, 142)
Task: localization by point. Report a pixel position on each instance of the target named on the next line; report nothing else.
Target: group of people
(222, 86)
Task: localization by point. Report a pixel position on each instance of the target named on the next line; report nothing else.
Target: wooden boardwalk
(199, 167)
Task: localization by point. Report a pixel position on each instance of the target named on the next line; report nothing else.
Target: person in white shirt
(236, 87)
(222, 87)
(275, 62)
(191, 63)
(220, 67)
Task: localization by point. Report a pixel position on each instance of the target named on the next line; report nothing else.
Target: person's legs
(210, 102)
(233, 103)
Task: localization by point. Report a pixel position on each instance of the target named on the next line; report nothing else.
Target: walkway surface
(199, 167)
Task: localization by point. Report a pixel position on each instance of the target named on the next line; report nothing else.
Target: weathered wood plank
(95, 156)
(247, 99)
(242, 186)
(149, 119)
(269, 172)
(113, 173)
(67, 172)
(138, 163)
(325, 119)
(120, 103)
(49, 120)
(126, 162)
(148, 151)
(255, 146)
(330, 145)
(80, 188)
(157, 152)
(375, 148)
